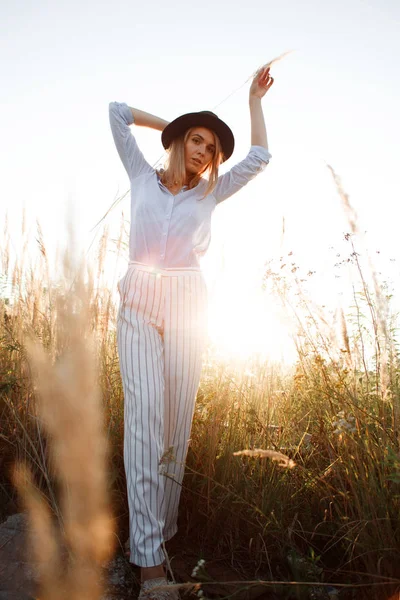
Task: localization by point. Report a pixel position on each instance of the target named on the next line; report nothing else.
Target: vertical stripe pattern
(161, 331)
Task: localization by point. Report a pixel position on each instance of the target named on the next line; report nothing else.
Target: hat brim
(200, 119)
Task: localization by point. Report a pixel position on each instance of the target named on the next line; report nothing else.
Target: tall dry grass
(332, 518)
(53, 415)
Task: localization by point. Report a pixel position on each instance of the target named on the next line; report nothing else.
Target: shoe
(148, 590)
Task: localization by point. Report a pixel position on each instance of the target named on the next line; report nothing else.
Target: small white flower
(197, 568)
(344, 424)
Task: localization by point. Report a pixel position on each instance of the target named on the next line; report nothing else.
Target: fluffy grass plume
(281, 459)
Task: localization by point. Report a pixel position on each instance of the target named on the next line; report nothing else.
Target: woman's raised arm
(259, 87)
(145, 119)
(121, 117)
(257, 159)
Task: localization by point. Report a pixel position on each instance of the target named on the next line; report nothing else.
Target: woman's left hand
(261, 83)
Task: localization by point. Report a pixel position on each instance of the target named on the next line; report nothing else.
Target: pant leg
(140, 348)
(185, 331)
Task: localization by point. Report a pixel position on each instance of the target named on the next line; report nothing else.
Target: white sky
(335, 100)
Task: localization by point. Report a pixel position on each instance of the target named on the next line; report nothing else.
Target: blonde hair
(175, 171)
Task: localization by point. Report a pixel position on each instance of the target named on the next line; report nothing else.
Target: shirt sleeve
(132, 158)
(232, 181)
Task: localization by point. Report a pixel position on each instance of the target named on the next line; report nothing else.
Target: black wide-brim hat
(205, 118)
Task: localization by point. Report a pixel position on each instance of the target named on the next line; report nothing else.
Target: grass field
(316, 497)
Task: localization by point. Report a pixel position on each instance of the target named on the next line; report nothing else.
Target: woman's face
(199, 150)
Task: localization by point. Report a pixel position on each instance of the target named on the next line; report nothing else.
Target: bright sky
(335, 100)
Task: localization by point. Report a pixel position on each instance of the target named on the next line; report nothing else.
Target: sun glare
(244, 322)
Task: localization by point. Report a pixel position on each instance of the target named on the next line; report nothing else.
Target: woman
(162, 315)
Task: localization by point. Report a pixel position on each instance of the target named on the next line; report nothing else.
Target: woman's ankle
(152, 572)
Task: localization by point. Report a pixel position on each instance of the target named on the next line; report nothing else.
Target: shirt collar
(159, 173)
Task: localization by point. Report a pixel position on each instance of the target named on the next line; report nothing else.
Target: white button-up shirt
(170, 231)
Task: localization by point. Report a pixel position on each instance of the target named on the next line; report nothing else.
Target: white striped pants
(161, 332)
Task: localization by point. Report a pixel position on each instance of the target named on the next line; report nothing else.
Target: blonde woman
(163, 306)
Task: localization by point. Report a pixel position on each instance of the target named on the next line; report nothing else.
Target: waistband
(165, 271)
